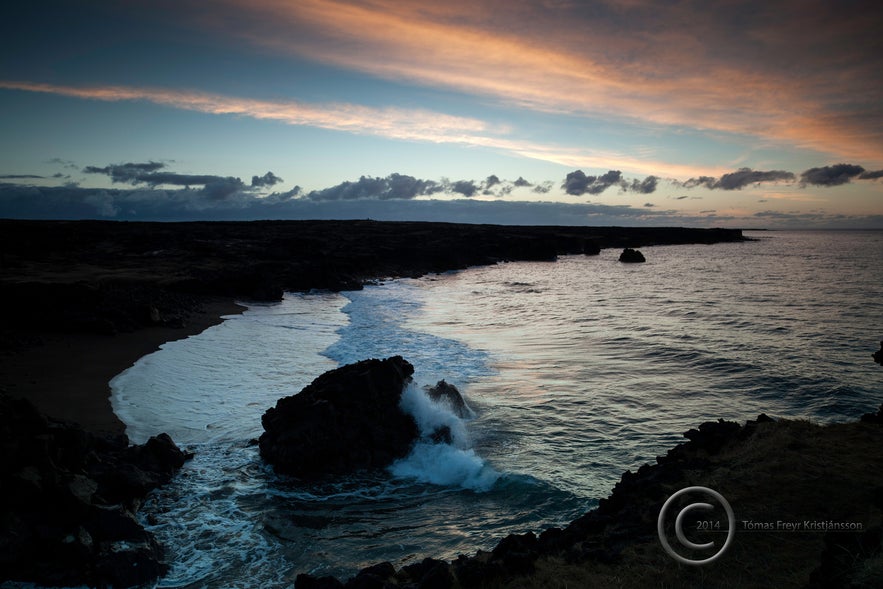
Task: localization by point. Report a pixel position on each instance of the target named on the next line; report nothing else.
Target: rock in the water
(347, 419)
(631, 256)
(448, 394)
(873, 417)
(878, 355)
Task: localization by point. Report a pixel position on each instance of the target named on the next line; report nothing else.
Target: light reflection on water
(623, 358)
(577, 370)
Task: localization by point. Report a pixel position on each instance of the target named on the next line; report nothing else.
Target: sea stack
(347, 419)
(631, 256)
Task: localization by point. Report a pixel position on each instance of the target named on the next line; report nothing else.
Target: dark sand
(67, 375)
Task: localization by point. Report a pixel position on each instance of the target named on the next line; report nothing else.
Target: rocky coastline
(70, 499)
(74, 491)
(756, 465)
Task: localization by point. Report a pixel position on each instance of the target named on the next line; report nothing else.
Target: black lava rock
(347, 419)
(631, 256)
(448, 394)
(70, 499)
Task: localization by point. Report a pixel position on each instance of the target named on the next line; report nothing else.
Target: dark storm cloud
(464, 187)
(394, 186)
(34, 202)
(746, 176)
(18, 201)
(543, 187)
(577, 183)
(215, 200)
(404, 187)
(213, 187)
(173, 179)
(129, 173)
(221, 188)
(707, 181)
(739, 179)
(835, 175)
(268, 179)
(493, 180)
(20, 177)
(645, 186)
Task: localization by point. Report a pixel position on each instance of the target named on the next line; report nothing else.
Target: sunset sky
(632, 112)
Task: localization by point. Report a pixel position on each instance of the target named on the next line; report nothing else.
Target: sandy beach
(79, 305)
(66, 375)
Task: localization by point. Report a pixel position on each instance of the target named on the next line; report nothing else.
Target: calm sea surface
(575, 370)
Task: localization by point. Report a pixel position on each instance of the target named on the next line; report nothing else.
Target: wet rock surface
(448, 395)
(347, 419)
(70, 498)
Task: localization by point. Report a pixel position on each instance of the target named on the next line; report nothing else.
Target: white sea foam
(446, 465)
(215, 386)
(455, 464)
(577, 370)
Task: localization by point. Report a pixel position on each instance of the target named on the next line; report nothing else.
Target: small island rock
(631, 256)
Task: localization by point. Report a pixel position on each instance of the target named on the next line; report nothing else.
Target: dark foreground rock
(347, 419)
(878, 355)
(70, 497)
(631, 256)
(768, 470)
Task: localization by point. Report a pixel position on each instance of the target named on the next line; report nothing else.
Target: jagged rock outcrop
(347, 419)
(70, 497)
(447, 394)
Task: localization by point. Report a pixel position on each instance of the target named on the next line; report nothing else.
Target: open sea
(575, 371)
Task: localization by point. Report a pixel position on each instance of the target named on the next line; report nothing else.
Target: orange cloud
(658, 77)
(392, 123)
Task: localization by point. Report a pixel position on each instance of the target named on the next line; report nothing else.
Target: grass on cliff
(788, 470)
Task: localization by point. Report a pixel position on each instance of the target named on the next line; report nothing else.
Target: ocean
(574, 370)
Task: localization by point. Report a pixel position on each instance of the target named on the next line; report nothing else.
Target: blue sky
(748, 114)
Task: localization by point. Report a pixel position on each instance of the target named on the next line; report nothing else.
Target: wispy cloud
(577, 60)
(393, 123)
